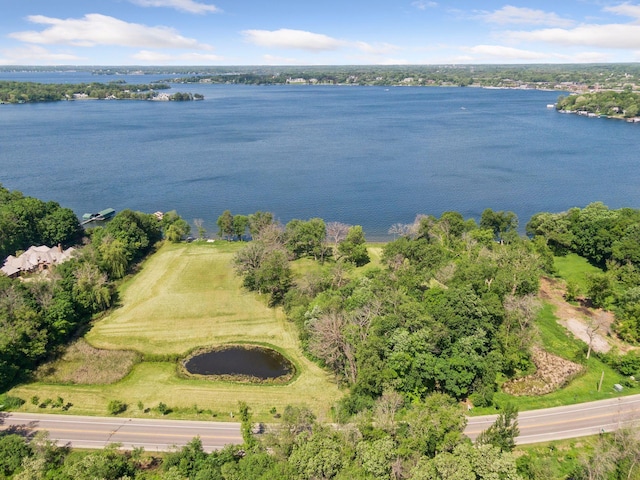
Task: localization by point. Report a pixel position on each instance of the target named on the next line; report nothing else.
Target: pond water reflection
(238, 361)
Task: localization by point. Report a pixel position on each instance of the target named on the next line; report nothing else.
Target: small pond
(243, 362)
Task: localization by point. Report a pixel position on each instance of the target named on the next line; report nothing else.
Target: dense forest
(38, 316)
(449, 310)
(453, 305)
(30, 92)
(609, 239)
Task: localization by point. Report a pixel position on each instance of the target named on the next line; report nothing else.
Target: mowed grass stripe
(197, 300)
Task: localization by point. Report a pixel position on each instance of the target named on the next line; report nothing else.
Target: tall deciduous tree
(501, 223)
(114, 257)
(306, 238)
(240, 224)
(354, 247)
(225, 225)
(258, 221)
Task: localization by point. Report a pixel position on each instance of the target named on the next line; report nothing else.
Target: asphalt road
(97, 432)
(161, 435)
(568, 422)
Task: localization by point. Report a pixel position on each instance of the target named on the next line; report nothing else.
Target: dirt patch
(581, 320)
(552, 373)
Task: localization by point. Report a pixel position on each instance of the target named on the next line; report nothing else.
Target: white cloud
(423, 5)
(624, 36)
(189, 6)
(157, 58)
(96, 29)
(627, 9)
(517, 15)
(33, 54)
(503, 52)
(293, 39)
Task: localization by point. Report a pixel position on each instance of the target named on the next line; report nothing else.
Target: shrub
(628, 364)
(8, 402)
(116, 406)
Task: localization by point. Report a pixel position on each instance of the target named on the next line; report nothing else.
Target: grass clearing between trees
(187, 296)
(574, 269)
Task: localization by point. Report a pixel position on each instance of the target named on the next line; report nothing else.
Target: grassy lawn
(187, 296)
(574, 268)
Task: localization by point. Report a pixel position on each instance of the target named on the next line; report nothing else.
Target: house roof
(34, 257)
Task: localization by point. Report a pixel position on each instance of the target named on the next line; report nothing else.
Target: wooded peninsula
(31, 92)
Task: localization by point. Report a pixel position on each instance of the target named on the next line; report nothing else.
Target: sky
(319, 32)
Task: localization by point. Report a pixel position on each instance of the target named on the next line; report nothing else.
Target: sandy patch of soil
(581, 320)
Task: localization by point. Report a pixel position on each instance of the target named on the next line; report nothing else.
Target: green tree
(431, 426)
(264, 269)
(320, 455)
(108, 463)
(245, 425)
(376, 456)
(13, 450)
(468, 462)
(175, 227)
(114, 257)
(240, 225)
(307, 238)
(599, 288)
(225, 225)
(91, 289)
(353, 248)
(501, 223)
(258, 221)
(503, 432)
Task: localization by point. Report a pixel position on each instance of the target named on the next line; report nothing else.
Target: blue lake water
(372, 156)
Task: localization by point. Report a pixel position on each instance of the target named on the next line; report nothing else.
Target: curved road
(161, 435)
(568, 422)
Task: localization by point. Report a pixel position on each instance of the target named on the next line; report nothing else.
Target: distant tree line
(607, 76)
(29, 92)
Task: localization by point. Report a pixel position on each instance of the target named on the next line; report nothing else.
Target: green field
(187, 296)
